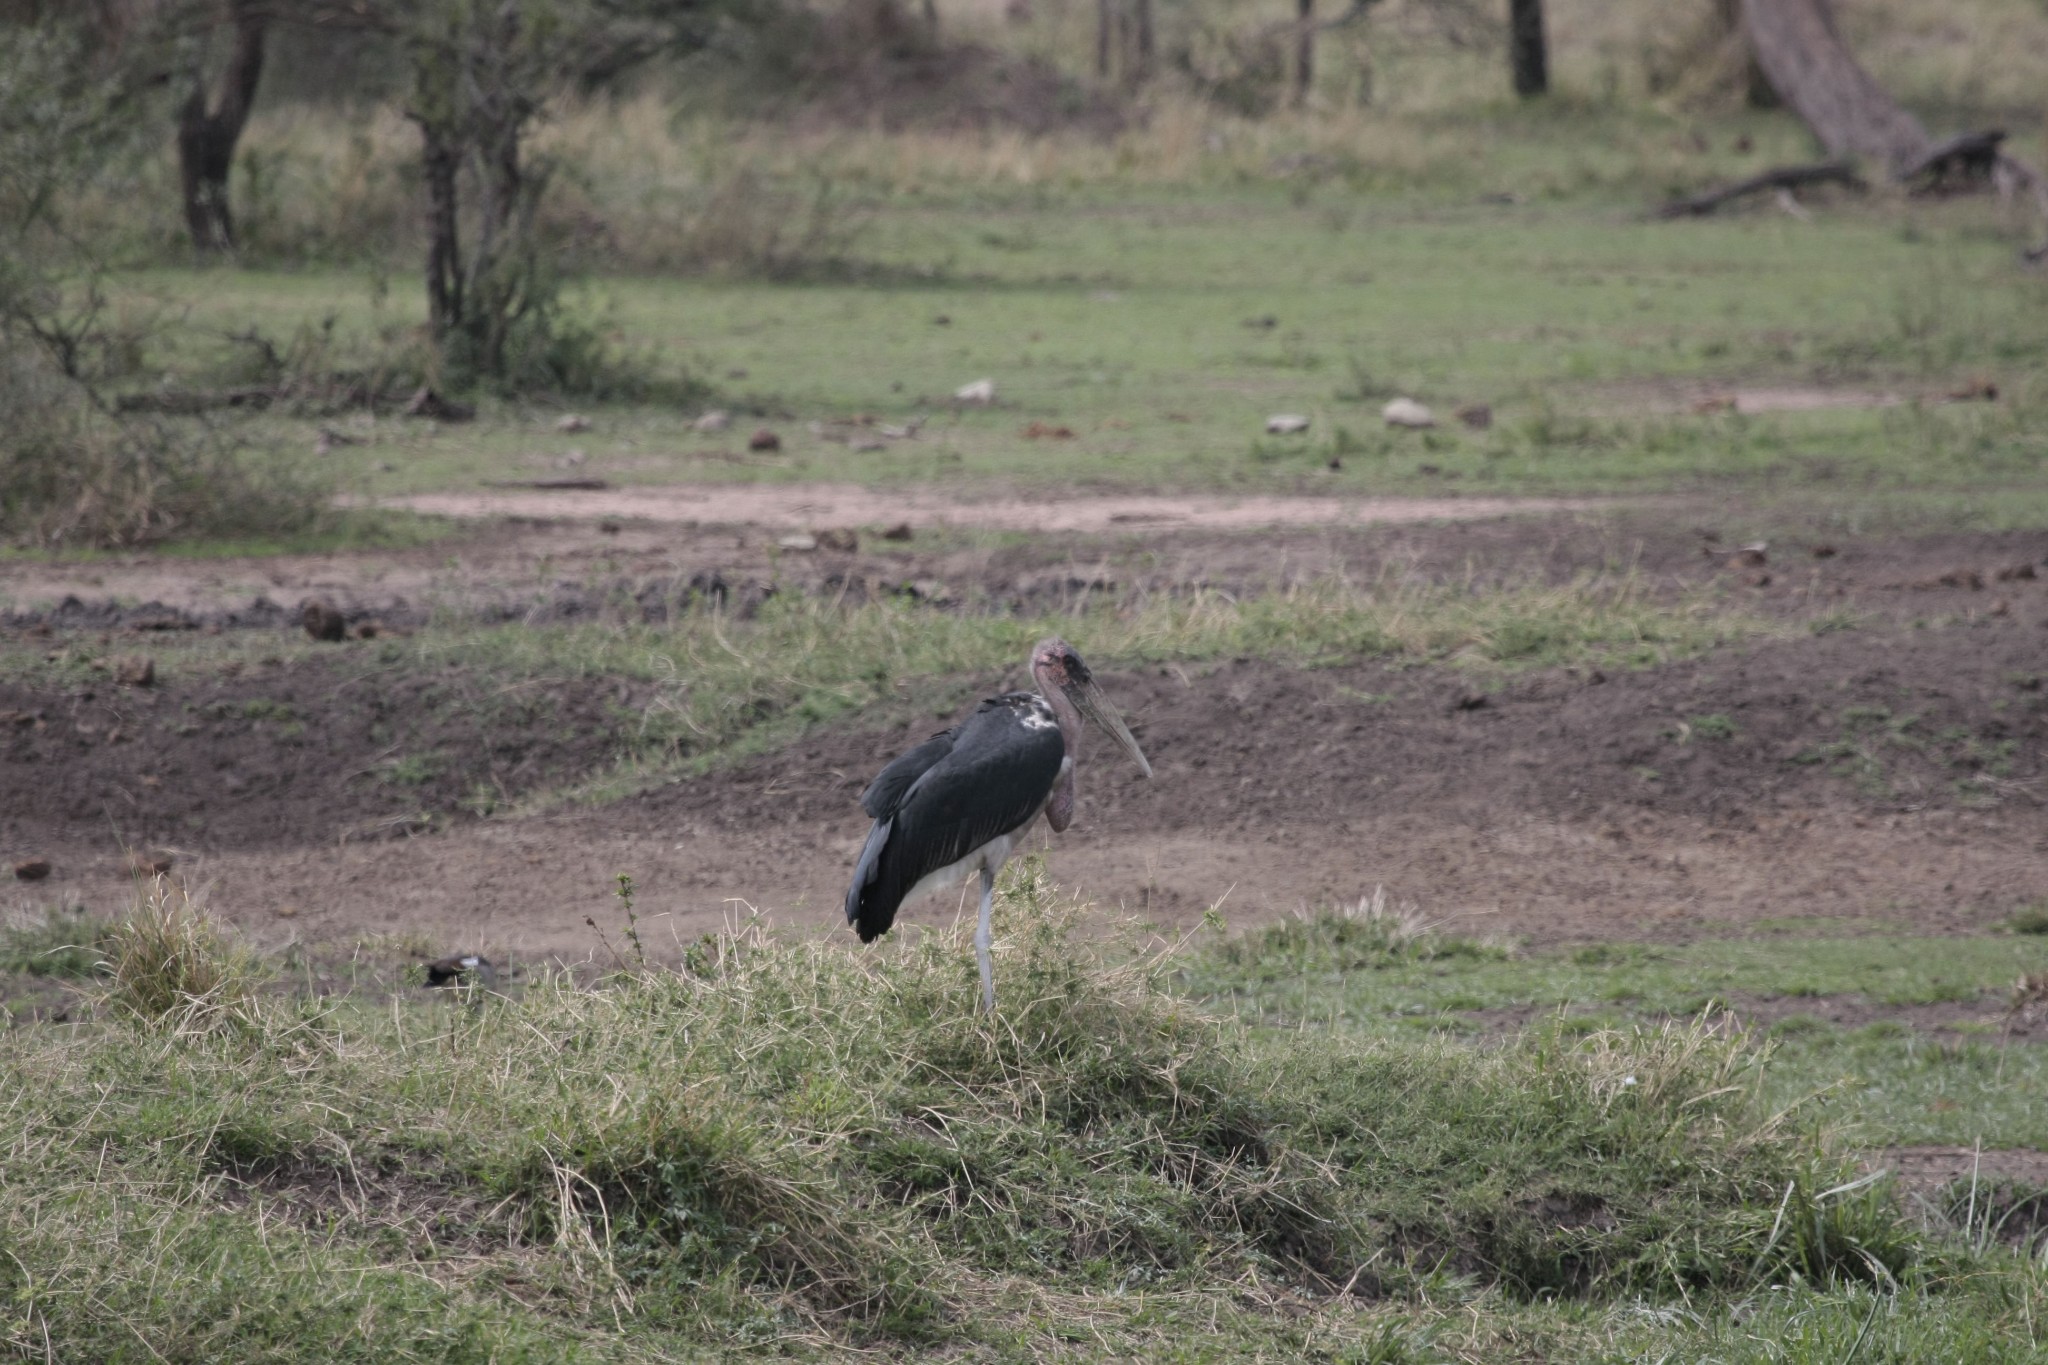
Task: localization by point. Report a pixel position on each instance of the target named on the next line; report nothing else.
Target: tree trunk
(1528, 51)
(1105, 30)
(1304, 50)
(440, 163)
(1756, 89)
(931, 17)
(1803, 55)
(207, 138)
(1147, 43)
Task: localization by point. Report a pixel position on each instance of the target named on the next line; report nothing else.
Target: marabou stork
(958, 803)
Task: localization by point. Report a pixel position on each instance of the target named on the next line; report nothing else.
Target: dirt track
(827, 505)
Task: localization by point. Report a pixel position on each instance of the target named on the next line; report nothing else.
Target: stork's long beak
(1096, 705)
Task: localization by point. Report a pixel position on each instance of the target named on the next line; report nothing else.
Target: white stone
(1406, 412)
(980, 391)
(1286, 424)
(800, 542)
(718, 419)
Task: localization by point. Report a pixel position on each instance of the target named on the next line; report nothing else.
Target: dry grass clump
(170, 965)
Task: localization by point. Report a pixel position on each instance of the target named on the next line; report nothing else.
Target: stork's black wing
(952, 794)
(885, 793)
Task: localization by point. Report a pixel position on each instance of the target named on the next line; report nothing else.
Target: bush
(74, 473)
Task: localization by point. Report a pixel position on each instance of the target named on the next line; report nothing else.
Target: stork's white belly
(991, 855)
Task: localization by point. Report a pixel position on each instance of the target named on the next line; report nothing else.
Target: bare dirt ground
(1891, 774)
(552, 548)
(814, 505)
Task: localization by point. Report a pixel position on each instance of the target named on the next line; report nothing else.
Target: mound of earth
(1880, 720)
(289, 754)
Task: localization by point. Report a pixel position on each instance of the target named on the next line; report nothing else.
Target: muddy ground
(1886, 772)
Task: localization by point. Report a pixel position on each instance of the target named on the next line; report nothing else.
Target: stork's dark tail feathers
(872, 899)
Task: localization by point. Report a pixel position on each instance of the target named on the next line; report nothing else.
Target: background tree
(1528, 49)
(210, 129)
(482, 73)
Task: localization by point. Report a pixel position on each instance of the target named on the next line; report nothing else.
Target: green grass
(1123, 317)
(57, 943)
(1372, 974)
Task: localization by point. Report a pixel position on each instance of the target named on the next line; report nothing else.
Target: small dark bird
(460, 970)
(959, 802)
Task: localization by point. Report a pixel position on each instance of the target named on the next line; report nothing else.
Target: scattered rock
(370, 630)
(135, 670)
(1286, 424)
(718, 419)
(1961, 578)
(1478, 416)
(845, 542)
(1041, 431)
(981, 391)
(1336, 462)
(573, 423)
(2015, 571)
(1471, 701)
(150, 864)
(942, 321)
(1977, 390)
(460, 969)
(428, 404)
(322, 621)
(32, 869)
(1754, 555)
(1824, 552)
(609, 527)
(1265, 322)
(800, 543)
(1406, 412)
(900, 531)
(764, 439)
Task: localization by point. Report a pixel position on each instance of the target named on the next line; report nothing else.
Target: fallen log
(190, 402)
(1783, 178)
(551, 485)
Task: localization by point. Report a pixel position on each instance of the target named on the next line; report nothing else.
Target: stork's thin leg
(982, 939)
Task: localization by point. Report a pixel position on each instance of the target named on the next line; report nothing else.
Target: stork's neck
(1068, 715)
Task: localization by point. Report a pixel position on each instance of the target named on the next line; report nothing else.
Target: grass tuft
(171, 966)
